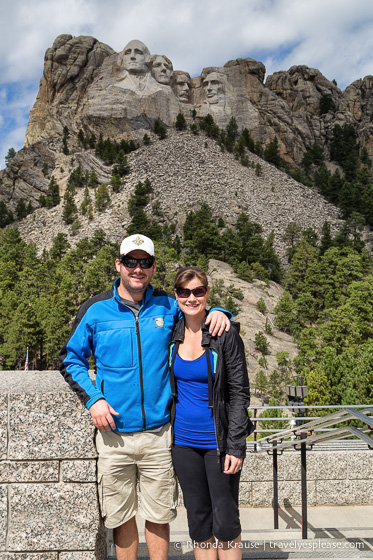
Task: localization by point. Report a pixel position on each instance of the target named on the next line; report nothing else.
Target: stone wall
(334, 477)
(48, 495)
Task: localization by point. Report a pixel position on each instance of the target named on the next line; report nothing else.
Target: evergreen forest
(327, 305)
(40, 294)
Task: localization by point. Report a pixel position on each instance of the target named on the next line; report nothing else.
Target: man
(128, 329)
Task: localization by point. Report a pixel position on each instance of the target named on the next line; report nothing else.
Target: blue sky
(334, 36)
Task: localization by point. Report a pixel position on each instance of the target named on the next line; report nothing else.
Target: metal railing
(295, 420)
(316, 429)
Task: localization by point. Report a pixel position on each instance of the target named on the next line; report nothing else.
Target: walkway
(333, 532)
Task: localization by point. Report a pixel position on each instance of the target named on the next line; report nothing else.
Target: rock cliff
(86, 85)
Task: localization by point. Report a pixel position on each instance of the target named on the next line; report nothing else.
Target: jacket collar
(148, 293)
(207, 339)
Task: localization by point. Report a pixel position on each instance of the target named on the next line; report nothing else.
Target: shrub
(261, 343)
(261, 306)
(180, 123)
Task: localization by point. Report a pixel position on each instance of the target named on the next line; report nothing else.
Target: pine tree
(326, 240)
(65, 149)
(85, 202)
(180, 123)
(6, 217)
(261, 383)
(194, 129)
(231, 132)
(326, 104)
(53, 194)
(285, 315)
(261, 343)
(10, 155)
(159, 129)
(122, 168)
(82, 139)
(92, 141)
(75, 226)
(291, 237)
(21, 209)
(102, 198)
(59, 247)
(272, 153)
(249, 142)
(92, 179)
(116, 182)
(69, 208)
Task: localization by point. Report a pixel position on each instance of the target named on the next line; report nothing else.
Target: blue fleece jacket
(130, 355)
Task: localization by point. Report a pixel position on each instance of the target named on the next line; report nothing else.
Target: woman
(211, 395)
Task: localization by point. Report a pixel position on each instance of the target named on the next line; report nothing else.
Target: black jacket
(231, 392)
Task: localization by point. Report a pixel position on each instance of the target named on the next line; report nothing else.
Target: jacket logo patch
(159, 322)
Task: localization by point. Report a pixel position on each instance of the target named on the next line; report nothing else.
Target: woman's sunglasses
(131, 262)
(200, 291)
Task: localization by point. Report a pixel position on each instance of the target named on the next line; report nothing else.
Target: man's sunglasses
(131, 262)
(200, 291)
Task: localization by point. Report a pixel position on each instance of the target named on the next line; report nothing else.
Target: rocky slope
(185, 171)
(252, 321)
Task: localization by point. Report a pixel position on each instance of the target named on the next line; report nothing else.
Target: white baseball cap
(135, 242)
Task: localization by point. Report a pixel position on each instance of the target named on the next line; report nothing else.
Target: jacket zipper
(213, 401)
(137, 332)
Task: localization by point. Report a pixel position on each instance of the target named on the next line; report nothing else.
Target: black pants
(210, 496)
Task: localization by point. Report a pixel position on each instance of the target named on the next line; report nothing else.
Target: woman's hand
(232, 464)
(218, 322)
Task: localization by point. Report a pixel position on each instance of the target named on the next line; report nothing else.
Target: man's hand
(218, 322)
(101, 413)
(232, 464)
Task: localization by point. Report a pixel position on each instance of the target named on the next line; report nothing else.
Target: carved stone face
(136, 58)
(182, 87)
(161, 69)
(214, 87)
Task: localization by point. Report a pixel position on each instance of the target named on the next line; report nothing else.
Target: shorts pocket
(108, 493)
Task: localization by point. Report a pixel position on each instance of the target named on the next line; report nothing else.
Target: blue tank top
(194, 421)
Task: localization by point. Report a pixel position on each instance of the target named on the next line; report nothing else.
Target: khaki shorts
(125, 459)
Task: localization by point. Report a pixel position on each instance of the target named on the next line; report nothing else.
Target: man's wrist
(98, 396)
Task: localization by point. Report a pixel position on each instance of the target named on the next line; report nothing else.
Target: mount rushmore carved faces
(182, 86)
(162, 69)
(214, 87)
(136, 59)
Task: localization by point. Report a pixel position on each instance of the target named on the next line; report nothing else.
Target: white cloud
(194, 33)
